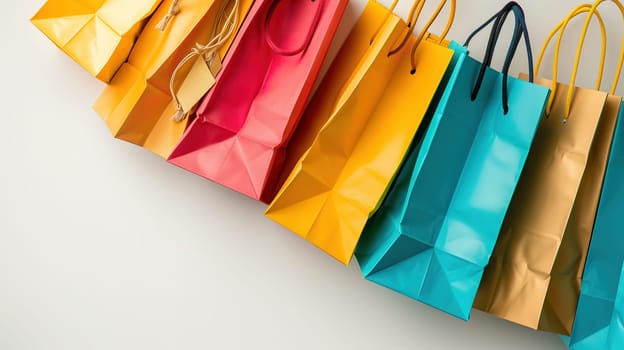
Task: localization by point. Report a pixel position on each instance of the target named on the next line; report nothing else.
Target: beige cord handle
(208, 52)
(174, 9)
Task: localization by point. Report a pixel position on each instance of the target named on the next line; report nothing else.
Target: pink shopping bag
(243, 125)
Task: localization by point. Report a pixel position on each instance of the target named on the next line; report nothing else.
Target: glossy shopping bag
(99, 34)
(598, 321)
(599, 287)
(534, 273)
(372, 106)
(139, 105)
(615, 337)
(246, 120)
(433, 236)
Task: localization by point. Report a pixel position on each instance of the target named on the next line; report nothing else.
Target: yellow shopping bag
(358, 128)
(172, 66)
(97, 34)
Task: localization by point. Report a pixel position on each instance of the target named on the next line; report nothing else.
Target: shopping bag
(615, 338)
(99, 34)
(598, 321)
(247, 119)
(534, 272)
(599, 287)
(372, 105)
(437, 227)
(140, 103)
(355, 49)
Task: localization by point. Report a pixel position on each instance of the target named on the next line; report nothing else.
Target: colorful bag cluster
(451, 182)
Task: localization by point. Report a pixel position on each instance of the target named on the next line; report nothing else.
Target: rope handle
(413, 16)
(577, 59)
(561, 27)
(291, 52)
(174, 9)
(424, 31)
(209, 51)
(520, 30)
(511, 51)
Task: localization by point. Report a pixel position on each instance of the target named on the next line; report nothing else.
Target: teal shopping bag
(615, 339)
(598, 314)
(435, 231)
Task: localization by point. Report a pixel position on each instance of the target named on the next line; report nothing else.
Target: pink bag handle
(291, 52)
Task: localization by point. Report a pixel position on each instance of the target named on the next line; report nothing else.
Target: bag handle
(423, 32)
(578, 58)
(209, 51)
(511, 52)
(174, 9)
(561, 27)
(519, 31)
(413, 16)
(291, 52)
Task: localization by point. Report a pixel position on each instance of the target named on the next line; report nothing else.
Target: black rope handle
(498, 25)
(520, 30)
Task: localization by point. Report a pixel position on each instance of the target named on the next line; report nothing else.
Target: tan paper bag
(534, 275)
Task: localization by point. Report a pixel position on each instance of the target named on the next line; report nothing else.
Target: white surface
(105, 246)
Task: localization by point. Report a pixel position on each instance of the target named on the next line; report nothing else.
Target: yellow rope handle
(423, 32)
(413, 16)
(580, 48)
(560, 28)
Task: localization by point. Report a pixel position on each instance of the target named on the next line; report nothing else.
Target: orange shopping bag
(141, 102)
(99, 34)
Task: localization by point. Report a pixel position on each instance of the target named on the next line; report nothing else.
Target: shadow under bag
(433, 236)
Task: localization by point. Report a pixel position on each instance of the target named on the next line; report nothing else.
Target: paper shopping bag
(604, 332)
(138, 105)
(98, 34)
(599, 287)
(615, 338)
(596, 304)
(565, 285)
(534, 273)
(247, 119)
(434, 233)
(372, 102)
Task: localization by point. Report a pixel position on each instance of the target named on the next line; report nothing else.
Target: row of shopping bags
(451, 182)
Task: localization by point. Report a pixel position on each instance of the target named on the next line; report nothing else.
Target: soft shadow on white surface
(105, 246)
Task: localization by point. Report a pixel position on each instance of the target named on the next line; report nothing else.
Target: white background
(105, 246)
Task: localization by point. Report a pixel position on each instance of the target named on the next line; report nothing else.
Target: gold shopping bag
(535, 272)
(363, 119)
